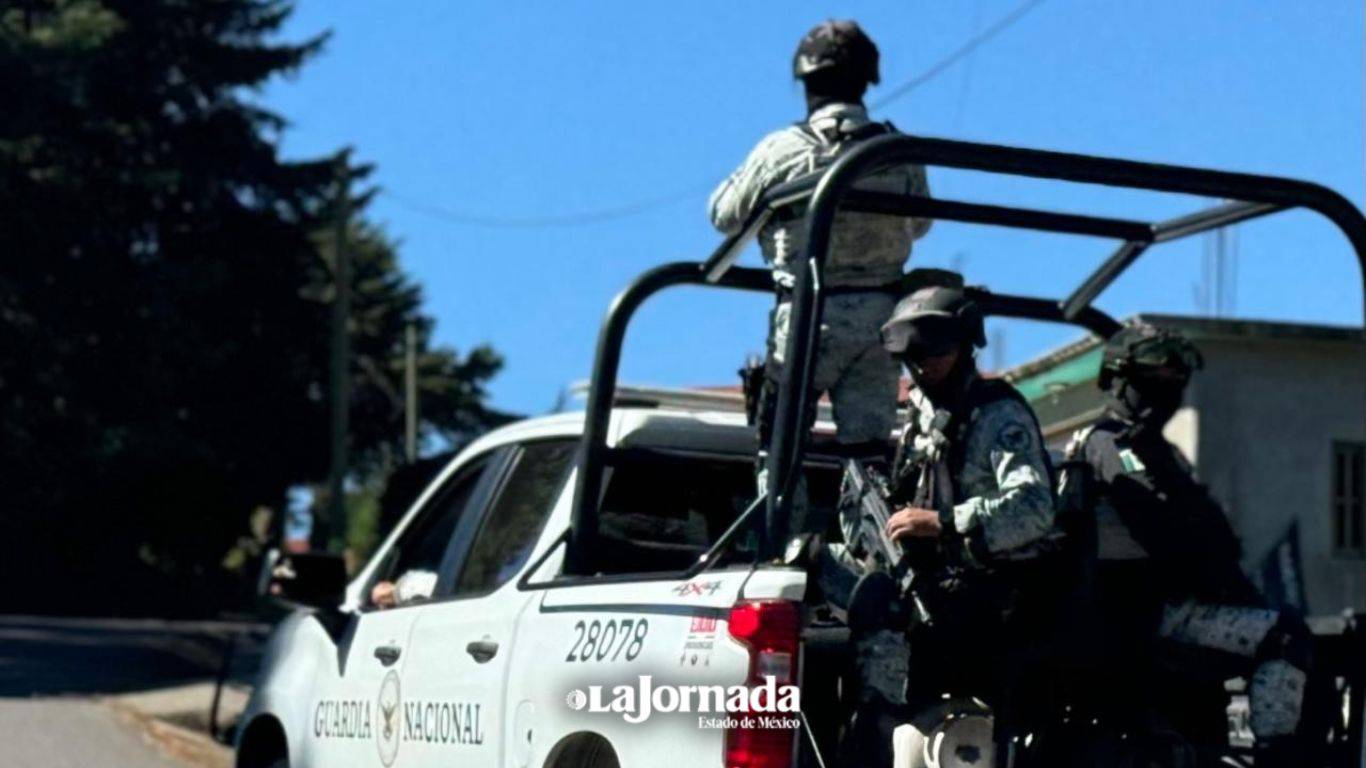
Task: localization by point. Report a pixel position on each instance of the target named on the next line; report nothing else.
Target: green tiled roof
(1078, 370)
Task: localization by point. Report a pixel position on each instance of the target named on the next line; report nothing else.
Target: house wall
(1268, 412)
(1064, 410)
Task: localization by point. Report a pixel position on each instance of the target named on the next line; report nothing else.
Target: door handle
(387, 654)
(482, 650)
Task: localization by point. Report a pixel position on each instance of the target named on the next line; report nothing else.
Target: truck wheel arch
(582, 750)
(263, 744)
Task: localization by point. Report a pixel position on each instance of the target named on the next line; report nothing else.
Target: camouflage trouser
(851, 365)
(881, 656)
(880, 659)
(1275, 686)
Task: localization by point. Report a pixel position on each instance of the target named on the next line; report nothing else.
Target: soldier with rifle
(954, 537)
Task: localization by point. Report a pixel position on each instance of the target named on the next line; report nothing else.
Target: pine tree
(163, 335)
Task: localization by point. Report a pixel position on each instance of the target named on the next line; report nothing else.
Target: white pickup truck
(497, 667)
(593, 572)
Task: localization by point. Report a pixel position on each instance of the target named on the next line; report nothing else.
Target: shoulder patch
(1013, 437)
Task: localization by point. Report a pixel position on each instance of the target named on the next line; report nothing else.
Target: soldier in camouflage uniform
(985, 453)
(974, 507)
(836, 62)
(1168, 561)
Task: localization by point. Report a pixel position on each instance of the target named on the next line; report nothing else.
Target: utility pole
(410, 394)
(1220, 268)
(1217, 296)
(998, 350)
(341, 356)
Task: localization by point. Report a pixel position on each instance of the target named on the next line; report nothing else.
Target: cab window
(422, 547)
(516, 517)
(662, 510)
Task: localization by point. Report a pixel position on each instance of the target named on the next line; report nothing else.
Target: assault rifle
(864, 511)
(894, 570)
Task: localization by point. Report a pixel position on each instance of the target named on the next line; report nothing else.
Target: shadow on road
(42, 656)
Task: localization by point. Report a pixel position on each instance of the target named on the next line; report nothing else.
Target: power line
(965, 85)
(1004, 23)
(626, 210)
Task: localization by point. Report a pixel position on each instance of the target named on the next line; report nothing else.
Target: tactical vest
(981, 393)
(867, 250)
(1188, 538)
(830, 143)
(908, 468)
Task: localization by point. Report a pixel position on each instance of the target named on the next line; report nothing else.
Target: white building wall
(1268, 413)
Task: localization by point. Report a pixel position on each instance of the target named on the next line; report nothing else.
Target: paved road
(53, 670)
(71, 733)
(44, 657)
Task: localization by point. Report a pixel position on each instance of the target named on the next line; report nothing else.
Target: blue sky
(497, 110)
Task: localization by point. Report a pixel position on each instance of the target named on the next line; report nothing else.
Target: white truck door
(351, 721)
(456, 711)
(357, 716)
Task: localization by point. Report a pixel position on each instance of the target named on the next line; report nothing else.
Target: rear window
(661, 511)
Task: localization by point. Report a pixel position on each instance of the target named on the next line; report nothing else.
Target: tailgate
(577, 644)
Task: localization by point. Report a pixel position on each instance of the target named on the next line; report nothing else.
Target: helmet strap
(1132, 406)
(947, 392)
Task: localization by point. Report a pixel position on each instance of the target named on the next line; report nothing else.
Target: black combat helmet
(1141, 349)
(836, 44)
(933, 321)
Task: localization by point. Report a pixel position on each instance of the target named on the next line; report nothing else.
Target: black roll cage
(831, 189)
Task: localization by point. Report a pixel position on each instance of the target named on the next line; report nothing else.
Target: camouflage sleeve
(778, 157)
(1005, 477)
(918, 184)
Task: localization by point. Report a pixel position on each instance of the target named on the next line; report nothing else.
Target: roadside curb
(182, 745)
(175, 720)
(189, 704)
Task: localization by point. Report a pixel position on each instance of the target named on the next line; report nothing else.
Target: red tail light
(770, 629)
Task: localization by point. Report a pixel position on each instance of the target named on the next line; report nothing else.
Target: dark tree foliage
(164, 303)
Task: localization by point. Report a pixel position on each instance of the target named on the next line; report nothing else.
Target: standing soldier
(836, 62)
(1167, 554)
(974, 511)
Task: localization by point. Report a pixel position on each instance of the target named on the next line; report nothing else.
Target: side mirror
(313, 579)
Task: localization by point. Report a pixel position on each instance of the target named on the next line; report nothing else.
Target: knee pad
(1276, 699)
(1276, 688)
